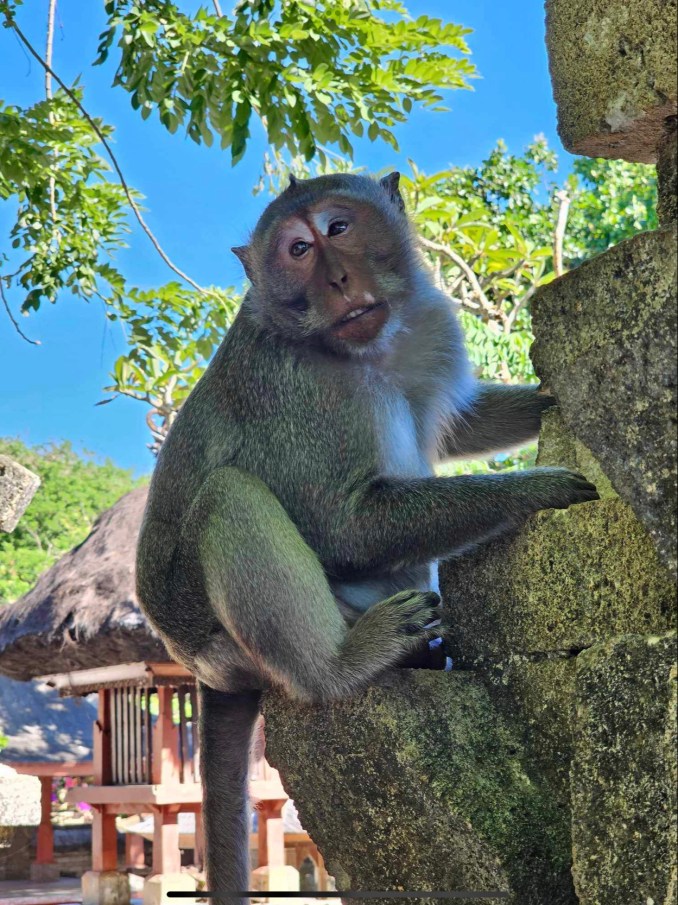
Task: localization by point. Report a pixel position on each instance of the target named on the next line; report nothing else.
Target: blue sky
(199, 206)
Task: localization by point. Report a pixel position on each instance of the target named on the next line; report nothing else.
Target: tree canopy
(313, 74)
(75, 489)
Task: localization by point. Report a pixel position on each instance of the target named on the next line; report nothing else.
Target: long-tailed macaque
(294, 519)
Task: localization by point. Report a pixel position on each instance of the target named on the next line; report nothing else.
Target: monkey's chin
(364, 328)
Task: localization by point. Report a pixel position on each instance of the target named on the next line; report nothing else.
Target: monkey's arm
(389, 522)
(499, 417)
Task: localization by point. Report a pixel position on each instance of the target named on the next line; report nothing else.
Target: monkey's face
(334, 269)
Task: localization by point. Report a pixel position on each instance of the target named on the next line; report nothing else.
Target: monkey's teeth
(355, 313)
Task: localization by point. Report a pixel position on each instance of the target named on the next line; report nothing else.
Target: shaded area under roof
(40, 726)
(83, 611)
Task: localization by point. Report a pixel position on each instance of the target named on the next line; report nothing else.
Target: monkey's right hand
(554, 488)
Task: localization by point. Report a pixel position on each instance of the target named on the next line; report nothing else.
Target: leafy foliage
(172, 334)
(614, 200)
(74, 490)
(313, 72)
(70, 218)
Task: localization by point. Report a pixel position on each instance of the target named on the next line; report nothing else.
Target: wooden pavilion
(81, 622)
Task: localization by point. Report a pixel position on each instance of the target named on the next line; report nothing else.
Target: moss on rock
(624, 771)
(536, 696)
(420, 784)
(569, 579)
(559, 446)
(613, 69)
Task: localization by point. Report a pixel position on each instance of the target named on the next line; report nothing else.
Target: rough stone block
(613, 69)
(559, 446)
(624, 772)
(667, 176)
(537, 698)
(606, 346)
(17, 486)
(105, 887)
(19, 798)
(275, 878)
(567, 580)
(436, 790)
(157, 887)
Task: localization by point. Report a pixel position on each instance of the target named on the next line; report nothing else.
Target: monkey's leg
(267, 588)
(499, 417)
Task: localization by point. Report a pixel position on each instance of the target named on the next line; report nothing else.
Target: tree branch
(559, 234)
(485, 303)
(49, 44)
(33, 342)
(517, 307)
(102, 138)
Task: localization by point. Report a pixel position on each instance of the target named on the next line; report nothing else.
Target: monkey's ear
(242, 253)
(390, 185)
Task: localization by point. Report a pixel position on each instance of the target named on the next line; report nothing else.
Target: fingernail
(435, 642)
(449, 665)
(434, 623)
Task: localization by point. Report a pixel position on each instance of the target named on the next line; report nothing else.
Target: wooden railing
(144, 719)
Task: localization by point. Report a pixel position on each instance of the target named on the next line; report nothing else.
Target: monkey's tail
(226, 728)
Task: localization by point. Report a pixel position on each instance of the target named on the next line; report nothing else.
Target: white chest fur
(398, 443)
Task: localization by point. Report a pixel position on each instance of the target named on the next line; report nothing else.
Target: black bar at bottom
(349, 894)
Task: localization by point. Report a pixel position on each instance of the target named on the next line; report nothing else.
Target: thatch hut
(83, 611)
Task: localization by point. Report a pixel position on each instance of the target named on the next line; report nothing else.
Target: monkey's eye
(337, 227)
(299, 248)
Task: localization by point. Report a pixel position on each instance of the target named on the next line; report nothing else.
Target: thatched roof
(83, 612)
(38, 725)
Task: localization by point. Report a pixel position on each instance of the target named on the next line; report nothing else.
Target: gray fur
(294, 520)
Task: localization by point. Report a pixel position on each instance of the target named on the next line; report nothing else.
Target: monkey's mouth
(362, 324)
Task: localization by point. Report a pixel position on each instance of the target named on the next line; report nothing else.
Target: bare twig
(49, 44)
(470, 275)
(217, 7)
(116, 166)
(501, 274)
(517, 307)
(559, 234)
(33, 342)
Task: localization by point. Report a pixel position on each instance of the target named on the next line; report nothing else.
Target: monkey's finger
(433, 624)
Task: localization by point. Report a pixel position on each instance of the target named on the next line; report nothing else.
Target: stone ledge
(613, 69)
(436, 790)
(606, 346)
(624, 772)
(17, 487)
(568, 580)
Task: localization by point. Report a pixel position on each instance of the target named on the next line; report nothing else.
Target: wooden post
(102, 740)
(165, 751)
(271, 834)
(199, 850)
(166, 853)
(134, 851)
(45, 842)
(104, 841)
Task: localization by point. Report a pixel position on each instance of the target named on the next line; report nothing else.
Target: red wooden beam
(104, 841)
(61, 768)
(166, 853)
(45, 841)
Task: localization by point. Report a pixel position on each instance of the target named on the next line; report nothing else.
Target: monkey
(294, 520)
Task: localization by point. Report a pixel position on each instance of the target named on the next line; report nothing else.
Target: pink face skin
(324, 247)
